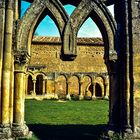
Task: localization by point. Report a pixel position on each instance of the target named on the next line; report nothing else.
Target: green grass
(53, 120)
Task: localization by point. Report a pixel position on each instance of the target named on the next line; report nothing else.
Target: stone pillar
(94, 90)
(67, 91)
(19, 127)
(6, 72)
(26, 85)
(17, 9)
(2, 21)
(106, 88)
(34, 87)
(55, 94)
(81, 97)
(114, 97)
(46, 90)
(44, 84)
(11, 91)
(134, 11)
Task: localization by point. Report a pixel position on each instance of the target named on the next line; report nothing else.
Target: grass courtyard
(70, 120)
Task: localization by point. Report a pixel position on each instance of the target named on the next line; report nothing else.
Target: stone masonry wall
(46, 51)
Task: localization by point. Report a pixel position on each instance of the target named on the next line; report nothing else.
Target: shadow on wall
(67, 132)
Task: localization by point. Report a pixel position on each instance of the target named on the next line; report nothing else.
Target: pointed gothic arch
(104, 21)
(36, 11)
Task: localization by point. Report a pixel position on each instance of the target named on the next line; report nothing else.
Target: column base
(81, 97)
(106, 97)
(56, 96)
(93, 97)
(21, 131)
(5, 132)
(68, 97)
(133, 135)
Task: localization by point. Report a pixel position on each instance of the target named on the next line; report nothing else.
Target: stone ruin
(121, 36)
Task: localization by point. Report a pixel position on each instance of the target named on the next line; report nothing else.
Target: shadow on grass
(67, 132)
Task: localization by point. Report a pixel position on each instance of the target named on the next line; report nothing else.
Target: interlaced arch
(68, 27)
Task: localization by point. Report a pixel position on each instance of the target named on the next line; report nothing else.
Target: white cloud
(89, 29)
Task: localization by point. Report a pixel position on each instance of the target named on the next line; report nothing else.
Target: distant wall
(87, 71)
(46, 50)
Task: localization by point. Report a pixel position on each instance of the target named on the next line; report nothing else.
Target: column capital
(21, 59)
(10, 4)
(2, 4)
(34, 80)
(80, 82)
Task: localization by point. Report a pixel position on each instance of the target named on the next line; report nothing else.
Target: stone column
(19, 127)
(55, 94)
(2, 21)
(17, 9)
(26, 85)
(114, 97)
(81, 97)
(46, 90)
(6, 71)
(11, 91)
(34, 87)
(94, 90)
(106, 87)
(44, 84)
(67, 91)
(135, 67)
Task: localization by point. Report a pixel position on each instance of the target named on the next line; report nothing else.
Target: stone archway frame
(104, 20)
(27, 24)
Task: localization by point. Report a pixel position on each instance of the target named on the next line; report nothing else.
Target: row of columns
(105, 89)
(33, 93)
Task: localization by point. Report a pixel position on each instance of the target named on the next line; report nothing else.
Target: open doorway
(86, 52)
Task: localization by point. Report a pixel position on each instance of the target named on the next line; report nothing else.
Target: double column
(19, 127)
(5, 127)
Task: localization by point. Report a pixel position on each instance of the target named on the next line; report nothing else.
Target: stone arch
(39, 84)
(27, 24)
(29, 85)
(61, 87)
(104, 20)
(98, 90)
(99, 85)
(73, 86)
(40, 73)
(29, 82)
(87, 80)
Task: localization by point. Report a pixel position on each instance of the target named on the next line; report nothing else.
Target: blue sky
(48, 28)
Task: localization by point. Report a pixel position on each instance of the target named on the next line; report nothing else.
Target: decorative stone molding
(2, 4)
(21, 131)
(113, 55)
(21, 59)
(5, 132)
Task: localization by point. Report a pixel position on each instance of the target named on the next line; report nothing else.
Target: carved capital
(21, 57)
(2, 4)
(113, 55)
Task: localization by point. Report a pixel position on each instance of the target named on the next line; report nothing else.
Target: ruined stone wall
(47, 51)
